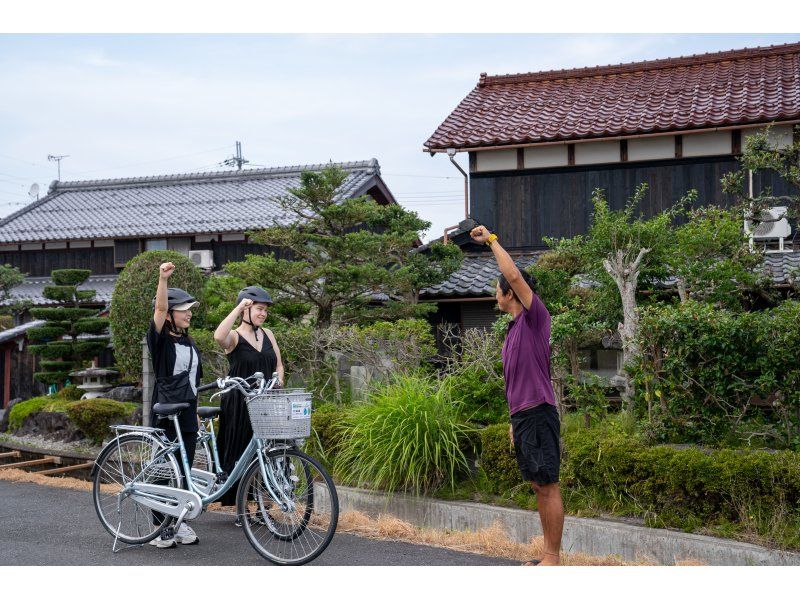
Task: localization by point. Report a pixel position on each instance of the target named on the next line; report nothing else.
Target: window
(153, 244)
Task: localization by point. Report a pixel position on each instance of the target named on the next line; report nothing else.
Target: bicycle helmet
(256, 295)
(178, 299)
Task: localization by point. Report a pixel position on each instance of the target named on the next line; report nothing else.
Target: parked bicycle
(286, 500)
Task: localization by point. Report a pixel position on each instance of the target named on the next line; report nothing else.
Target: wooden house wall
(525, 206)
(100, 260)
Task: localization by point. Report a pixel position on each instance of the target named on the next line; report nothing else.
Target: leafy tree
(69, 320)
(338, 252)
(10, 277)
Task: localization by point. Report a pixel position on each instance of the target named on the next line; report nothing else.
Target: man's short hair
(505, 287)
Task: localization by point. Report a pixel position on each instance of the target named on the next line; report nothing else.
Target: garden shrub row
(749, 491)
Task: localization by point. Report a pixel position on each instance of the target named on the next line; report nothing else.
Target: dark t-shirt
(171, 355)
(526, 359)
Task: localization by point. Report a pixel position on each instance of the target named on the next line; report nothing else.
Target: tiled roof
(214, 202)
(783, 268)
(478, 273)
(746, 86)
(32, 287)
(475, 278)
(12, 333)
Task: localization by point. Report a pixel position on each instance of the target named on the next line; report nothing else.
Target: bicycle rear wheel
(119, 462)
(296, 535)
(202, 456)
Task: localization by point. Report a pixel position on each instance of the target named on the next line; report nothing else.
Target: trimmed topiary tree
(57, 341)
(132, 303)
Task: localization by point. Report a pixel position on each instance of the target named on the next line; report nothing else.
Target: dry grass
(493, 541)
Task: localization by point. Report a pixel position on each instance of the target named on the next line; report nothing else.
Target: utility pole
(236, 160)
(52, 158)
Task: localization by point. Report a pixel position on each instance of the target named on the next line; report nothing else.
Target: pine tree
(57, 340)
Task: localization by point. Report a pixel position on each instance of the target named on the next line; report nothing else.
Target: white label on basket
(301, 409)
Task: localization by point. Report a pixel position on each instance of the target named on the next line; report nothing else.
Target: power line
(208, 151)
(421, 176)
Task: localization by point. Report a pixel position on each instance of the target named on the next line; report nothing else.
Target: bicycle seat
(167, 409)
(208, 412)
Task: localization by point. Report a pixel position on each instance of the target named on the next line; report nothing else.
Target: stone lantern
(94, 381)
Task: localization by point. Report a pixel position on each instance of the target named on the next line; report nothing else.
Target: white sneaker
(163, 542)
(186, 535)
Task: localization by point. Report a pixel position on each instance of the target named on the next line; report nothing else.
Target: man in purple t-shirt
(535, 429)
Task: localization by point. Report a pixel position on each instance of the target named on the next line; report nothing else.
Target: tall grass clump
(409, 435)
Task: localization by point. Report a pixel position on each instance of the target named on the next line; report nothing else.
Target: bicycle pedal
(168, 533)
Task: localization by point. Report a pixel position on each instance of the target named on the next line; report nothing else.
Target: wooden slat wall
(523, 207)
(100, 260)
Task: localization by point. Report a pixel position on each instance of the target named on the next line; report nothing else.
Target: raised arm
(507, 266)
(224, 334)
(165, 270)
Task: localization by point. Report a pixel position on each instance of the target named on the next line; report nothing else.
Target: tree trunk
(681, 284)
(324, 316)
(625, 272)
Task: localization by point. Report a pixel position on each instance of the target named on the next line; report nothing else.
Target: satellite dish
(33, 192)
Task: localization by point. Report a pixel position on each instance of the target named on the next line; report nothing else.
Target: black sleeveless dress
(234, 423)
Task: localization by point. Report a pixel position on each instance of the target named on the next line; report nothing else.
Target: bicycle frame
(196, 499)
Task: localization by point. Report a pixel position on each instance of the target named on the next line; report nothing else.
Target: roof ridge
(642, 65)
(57, 186)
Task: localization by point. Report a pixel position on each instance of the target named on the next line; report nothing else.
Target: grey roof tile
(210, 202)
(32, 287)
(474, 278)
(12, 333)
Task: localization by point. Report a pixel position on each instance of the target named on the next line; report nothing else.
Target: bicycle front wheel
(120, 462)
(298, 531)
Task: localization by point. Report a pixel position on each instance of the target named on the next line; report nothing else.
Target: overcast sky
(137, 105)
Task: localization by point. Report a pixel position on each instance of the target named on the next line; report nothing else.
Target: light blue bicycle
(286, 500)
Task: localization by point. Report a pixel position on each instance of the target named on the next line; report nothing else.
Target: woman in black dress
(250, 349)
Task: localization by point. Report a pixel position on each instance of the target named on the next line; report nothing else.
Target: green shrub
(747, 492)
(70, 393)
(22, 410)
(326, 430)
(94, 416)
(58, 406)
(483, 396)
(409, 435)
(132, 303)
(701, 366)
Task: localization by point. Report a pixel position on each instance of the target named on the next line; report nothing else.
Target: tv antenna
(52, 158)
(236, 160)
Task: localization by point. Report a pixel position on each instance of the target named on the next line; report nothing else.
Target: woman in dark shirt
(173, 354)
(250, 349)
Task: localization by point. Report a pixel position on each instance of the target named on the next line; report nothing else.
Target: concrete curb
(590, 536)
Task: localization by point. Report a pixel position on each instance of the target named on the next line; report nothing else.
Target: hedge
(94, 416)
(752, 491)
(22, 410)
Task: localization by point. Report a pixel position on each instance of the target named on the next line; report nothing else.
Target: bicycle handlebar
(244, 385)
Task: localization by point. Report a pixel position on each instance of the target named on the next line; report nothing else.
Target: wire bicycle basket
(280, 414)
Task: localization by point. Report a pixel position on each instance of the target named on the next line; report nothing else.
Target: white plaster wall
(596, 152)
(780, 136)
(651, 148)
(545, 156)
(707, 144)
(496, 160)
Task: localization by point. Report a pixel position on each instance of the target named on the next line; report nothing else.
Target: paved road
(40, 525)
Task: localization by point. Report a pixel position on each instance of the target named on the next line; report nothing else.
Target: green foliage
(700, 367)
(52, 350)
(588, 393)
(342, 251)
(712, 258)
(483, 396)
(94, 416)
(91, 325)
(69, 277)
(132, 303)
(326, 430)
(62, 314)
(51, 331)
(215, 362)
(607, 471)
(70, 392)
(22, 410)
(10, 277)
(409, 435)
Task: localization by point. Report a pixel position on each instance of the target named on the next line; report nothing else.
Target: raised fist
(480, 234)
(166, 269)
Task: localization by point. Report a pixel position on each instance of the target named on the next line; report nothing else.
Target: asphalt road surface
(40, 525)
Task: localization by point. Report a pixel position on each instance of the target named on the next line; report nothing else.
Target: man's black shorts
(537, 433)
